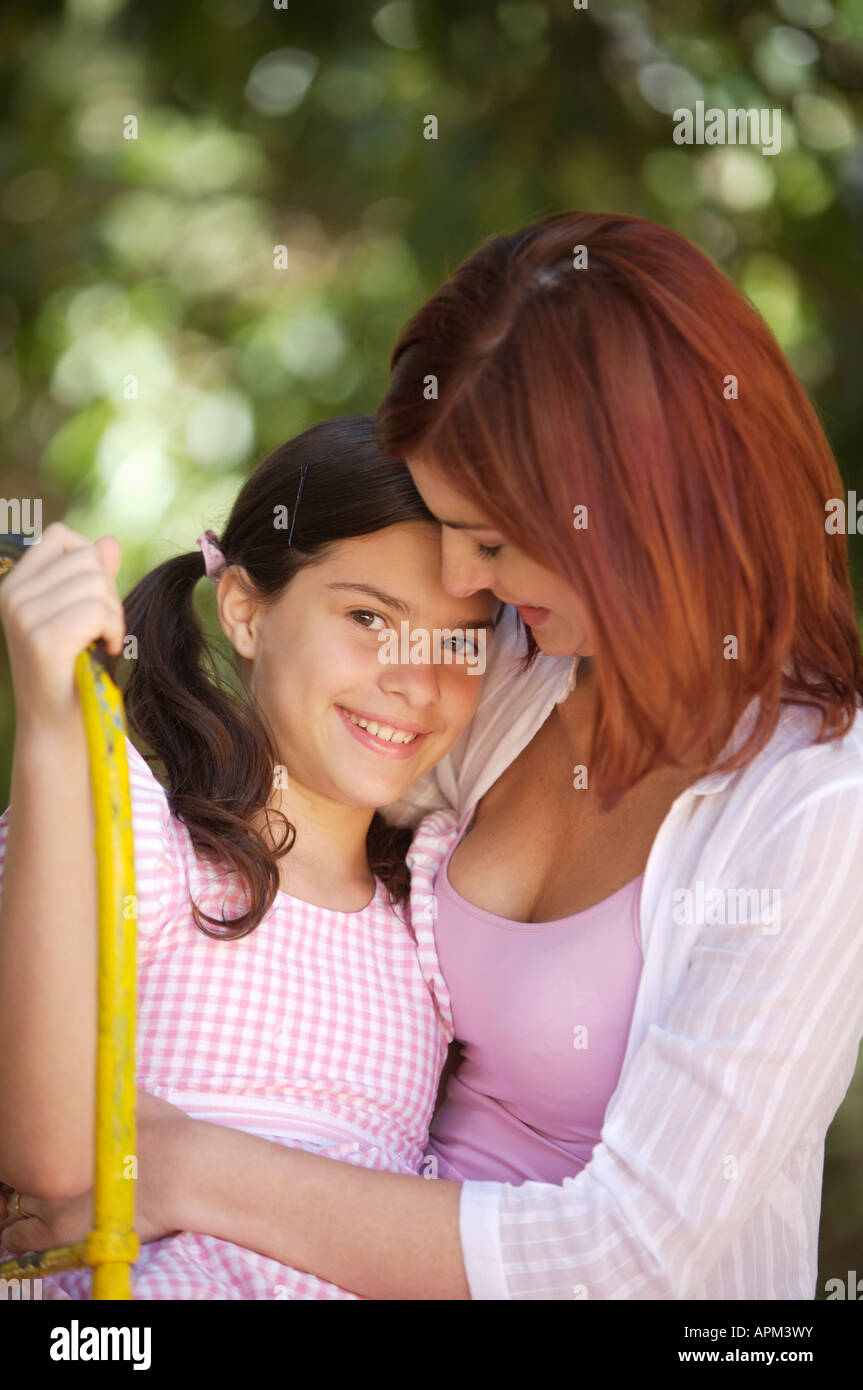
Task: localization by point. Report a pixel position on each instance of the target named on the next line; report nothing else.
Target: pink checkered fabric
(322, 1029)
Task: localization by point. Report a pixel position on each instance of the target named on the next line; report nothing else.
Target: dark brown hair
(586, 359)
(213, 742)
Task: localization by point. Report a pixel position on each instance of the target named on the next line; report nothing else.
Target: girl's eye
(488, 552)
(464, 643)
(359, 613)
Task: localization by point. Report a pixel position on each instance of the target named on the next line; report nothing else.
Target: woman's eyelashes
(488, 552)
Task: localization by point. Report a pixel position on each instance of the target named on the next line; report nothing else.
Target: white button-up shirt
(706, 1182)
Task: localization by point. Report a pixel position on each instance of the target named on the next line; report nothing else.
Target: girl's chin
(360, 787)
(369, 798)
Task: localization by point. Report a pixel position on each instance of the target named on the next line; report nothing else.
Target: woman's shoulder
(796, 761)
(774, 812)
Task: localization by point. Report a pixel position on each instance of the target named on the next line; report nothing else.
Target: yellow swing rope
(111, 1248)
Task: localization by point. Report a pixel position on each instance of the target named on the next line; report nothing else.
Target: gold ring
(17, 1210)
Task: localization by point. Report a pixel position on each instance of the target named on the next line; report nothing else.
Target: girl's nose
(417, 683)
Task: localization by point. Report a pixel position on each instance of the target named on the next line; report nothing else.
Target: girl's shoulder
(164, 855)
(151, 809)
(162, 850)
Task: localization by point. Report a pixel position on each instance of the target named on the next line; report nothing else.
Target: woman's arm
(382, 1235)
(379, 1234)
(56, 600)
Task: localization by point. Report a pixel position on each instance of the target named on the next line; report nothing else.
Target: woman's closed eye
(488, 552)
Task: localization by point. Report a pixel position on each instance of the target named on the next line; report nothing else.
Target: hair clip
(297, 503)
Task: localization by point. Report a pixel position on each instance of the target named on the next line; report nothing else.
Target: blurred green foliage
(150, 352)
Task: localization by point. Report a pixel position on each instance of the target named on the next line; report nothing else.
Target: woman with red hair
(650, 918)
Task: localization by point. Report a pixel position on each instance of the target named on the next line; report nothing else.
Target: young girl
(281, 988)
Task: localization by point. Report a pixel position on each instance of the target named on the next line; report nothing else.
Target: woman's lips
(387, 750)
(534, 617)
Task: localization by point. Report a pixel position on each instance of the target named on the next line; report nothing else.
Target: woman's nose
(463, 572)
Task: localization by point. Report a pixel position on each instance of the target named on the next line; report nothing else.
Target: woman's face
(476, 557)
(318, 664)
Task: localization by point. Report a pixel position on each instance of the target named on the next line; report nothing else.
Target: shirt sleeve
(759, 1041)
(161, 882)
(161, 877)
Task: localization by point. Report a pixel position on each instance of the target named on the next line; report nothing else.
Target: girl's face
(318, 665)
(477, 557)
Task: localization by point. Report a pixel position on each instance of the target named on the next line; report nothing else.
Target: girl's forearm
(48, 967)
(381, 1235)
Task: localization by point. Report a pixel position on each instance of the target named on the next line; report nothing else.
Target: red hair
(610, 386)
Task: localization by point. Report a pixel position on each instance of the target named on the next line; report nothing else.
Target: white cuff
(479, 1228)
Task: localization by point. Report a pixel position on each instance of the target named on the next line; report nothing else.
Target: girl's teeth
(382, 731)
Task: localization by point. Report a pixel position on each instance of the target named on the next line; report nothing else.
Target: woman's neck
(578, 712)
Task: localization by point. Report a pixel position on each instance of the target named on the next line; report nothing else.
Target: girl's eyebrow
(388, 601)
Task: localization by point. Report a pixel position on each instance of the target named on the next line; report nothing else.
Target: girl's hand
(162, 1128)
(59, 597)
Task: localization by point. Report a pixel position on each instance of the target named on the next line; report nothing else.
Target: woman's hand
(60, 597)
(162, 1130)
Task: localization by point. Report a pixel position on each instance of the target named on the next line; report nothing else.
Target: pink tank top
(543, 1012)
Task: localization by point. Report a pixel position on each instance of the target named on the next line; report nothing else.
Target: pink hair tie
(214, 560)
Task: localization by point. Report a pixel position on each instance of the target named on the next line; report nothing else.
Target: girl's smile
(391, 738)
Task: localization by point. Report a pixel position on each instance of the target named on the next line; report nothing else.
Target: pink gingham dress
(320, 1029)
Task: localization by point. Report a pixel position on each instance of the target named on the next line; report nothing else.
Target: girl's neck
(328, 863)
